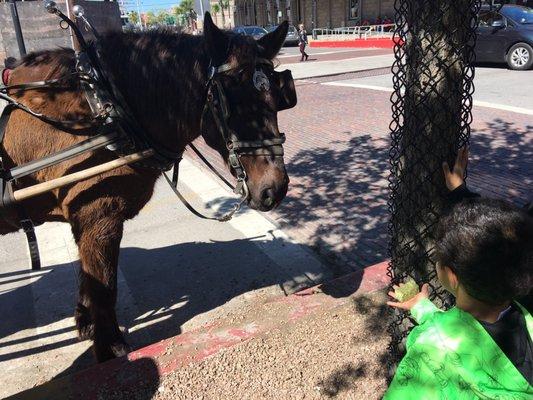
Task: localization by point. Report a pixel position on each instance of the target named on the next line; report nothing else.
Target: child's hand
(408, 304)
(455, 178)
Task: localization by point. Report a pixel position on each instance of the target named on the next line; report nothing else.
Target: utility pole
(138, 4)
(313, 18)
(18, 29)
(202, 8)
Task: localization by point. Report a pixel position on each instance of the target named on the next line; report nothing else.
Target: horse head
(241, 121)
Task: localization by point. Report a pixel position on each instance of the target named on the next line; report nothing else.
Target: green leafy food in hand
(407, 290)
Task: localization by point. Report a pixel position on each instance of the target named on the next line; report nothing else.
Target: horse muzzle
(269, 196)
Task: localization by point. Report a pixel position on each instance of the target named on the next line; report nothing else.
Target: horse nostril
(267, 197)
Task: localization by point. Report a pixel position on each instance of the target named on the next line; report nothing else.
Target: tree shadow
(337, 199)
(501, 161)
(342, 190)
(342, 379)
(167, 287)
(376, 320)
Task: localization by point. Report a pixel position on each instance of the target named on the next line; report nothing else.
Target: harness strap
(33, 85)
(210, 166)
(68, 126)
(25, 222)
(27, 226)
(174, 186)
(4, 119)
(260, 147)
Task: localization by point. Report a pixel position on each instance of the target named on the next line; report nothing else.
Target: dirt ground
(337, 353)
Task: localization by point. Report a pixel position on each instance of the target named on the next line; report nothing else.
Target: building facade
(41, 30)
(312, 13)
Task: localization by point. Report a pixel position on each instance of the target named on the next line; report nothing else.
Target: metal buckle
(211, 73)
(233, 160)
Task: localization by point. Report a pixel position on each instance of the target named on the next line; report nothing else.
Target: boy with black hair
(482, 348)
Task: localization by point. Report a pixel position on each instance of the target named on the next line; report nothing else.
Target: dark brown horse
(162, 76)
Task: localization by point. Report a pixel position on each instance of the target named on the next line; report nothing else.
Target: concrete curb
(150, 363)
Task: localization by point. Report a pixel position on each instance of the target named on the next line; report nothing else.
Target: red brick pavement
(337, 159)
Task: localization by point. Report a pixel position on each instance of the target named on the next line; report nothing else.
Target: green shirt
(451, 356)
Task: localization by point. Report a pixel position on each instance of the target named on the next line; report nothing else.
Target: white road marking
(358, 86)
(477, 103)
(518, 110)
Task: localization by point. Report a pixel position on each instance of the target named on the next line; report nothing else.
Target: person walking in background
(302, 41)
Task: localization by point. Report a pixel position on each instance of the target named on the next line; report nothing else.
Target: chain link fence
(431, 115)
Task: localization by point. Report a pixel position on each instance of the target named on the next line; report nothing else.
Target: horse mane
(161, 74)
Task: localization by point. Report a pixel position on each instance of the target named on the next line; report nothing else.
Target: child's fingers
(464, 160)
(446, 169)
(425, 289)
(396, 305)
(392, 294)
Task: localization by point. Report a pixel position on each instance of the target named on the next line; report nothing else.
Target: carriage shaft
(35, 190)
(91, 144)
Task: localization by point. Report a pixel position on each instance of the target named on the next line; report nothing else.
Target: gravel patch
(337, 353)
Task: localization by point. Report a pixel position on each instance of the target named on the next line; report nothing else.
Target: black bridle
(217, 103)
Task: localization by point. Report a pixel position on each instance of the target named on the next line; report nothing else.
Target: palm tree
(223, 4)
(216, 9)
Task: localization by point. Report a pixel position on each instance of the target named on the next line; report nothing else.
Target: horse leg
(99, 244)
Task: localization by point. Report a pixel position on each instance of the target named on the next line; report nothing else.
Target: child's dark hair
(489, 245)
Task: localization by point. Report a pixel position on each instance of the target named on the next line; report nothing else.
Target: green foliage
(184, 7)
(151, 18)
(133, 17)
(181, 12)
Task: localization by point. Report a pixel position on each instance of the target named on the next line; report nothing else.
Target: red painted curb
(386, 43)
(147, 365)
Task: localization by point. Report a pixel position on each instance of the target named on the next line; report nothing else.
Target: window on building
(354, 9)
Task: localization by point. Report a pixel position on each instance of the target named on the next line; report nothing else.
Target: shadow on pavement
(168, 286)
(137, 379)
(344, 189)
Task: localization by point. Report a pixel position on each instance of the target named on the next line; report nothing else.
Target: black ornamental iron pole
(18, 30)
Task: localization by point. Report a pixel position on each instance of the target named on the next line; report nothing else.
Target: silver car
(292, 35)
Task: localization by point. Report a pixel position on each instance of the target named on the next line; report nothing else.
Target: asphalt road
(495, 86)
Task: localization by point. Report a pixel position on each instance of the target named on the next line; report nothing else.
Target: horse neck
(162, 78)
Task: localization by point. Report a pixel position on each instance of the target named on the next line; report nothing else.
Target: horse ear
(271, 43)
(217, 41)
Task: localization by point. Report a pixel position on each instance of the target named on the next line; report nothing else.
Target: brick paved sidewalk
(337, 159)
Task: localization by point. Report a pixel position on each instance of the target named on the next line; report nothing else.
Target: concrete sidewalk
(310, 69)
(176, 273)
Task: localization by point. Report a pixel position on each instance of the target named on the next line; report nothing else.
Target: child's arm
(415, 379)
(455, 178)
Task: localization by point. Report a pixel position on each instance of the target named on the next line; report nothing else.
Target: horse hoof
(110, 351)
(120, 349)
